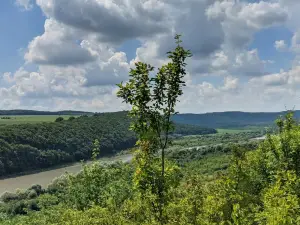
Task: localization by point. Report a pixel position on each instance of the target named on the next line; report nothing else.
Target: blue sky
(62, 56)
(19, 28)
(264, 41)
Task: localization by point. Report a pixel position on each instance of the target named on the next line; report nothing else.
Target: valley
(44, 178)
(196, 149)
(191, 143)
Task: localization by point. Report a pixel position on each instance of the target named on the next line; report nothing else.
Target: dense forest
(37, 146)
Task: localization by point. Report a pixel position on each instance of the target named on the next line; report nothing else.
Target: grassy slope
(238, 130)
(30, 119)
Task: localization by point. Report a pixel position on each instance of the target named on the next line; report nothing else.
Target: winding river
(45, 177)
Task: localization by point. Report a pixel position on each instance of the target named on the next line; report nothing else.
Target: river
(45, 177)
(259, 138)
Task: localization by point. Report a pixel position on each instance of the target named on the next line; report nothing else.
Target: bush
(32, 194)
(17, 208)
(59, 119)
(47, 200)
(33, 205)
(21, 194)
(59, 184)
(37, 188)
(71, 118)
(7, 197)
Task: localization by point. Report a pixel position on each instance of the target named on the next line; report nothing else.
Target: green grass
(212, 139)
(230, 131)
(29, 119)
(240, 129)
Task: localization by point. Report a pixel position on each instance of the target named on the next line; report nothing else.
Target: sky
(69, 55)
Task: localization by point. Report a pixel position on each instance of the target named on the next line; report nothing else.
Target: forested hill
(36, 146)
(231, 119)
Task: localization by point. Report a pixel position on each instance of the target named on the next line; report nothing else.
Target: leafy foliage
(153, 102)
(59, 119)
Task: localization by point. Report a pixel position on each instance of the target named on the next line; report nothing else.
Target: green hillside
(26, 147)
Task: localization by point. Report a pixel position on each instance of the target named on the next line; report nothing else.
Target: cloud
(240, 20)
(288, 79)
(218, 34)
(293, 7)
(295, 46)
(249, 96)
(230, 83)
(113, 71)
(248, 63)
(280, 45)
(24, 4)
(78, 62)
(263, 14)
(191, 21)
(7, 77)
(57, 46)
(112, 21)
(272, 79)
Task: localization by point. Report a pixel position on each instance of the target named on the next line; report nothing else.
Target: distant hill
(23, 112)
(231, 119)
(210, 120)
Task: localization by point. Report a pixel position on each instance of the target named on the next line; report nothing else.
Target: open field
(29, 119)
(232, 131)
(241, 129)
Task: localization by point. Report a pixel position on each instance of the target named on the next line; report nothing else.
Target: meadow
(234, 130)
(32, 119)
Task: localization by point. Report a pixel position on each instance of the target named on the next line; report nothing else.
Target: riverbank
(44, 178)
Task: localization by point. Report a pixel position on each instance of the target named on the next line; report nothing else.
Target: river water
(45, 177)
(259, 138)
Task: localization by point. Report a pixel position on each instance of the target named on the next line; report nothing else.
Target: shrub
(71, 118)
(37, 188)
(32, 194)
(59, 119)
(7, 197)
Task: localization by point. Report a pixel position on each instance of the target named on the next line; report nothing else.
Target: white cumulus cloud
(78, 59)
(24, 4)
(280, 45)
